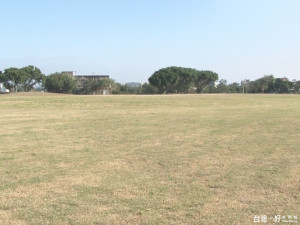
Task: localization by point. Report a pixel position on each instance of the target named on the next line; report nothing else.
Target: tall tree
(222, 86)
(282, 85)
(296, 86)
(99, 86)
(165, 79)
(149, 89)
(187, 77)
(59, 83)
(181, 80)
(11, 78)
(31, 76)
(204, 79)
(266, 83)
(235, 88)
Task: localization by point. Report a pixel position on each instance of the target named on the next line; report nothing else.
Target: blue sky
(131, 39)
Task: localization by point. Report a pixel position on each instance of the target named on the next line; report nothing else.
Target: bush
(60, 83)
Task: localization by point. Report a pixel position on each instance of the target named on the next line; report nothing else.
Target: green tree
(31, 76)
(282, 86)
(266, 83)
(59, 83)
(149, 89)
(23, 79)
(222, 86)
(165, 79)
(296, 86)
(187, 78)
(181, 80)
(126, 89)
(204, 79)
(235, 88)
(11, 78)
(100, 86)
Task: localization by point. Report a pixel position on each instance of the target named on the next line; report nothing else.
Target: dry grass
(178, 159)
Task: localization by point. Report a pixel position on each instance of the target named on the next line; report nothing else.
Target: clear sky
(131, 39)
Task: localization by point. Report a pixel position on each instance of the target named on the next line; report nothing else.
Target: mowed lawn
(171, 159)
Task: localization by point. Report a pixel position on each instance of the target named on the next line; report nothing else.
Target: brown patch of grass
(178, 159)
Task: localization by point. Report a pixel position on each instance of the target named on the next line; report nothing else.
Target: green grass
(173, 159)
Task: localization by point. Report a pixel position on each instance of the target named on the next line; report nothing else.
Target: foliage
(245, 85)
(265, 83)
(60, 83)
(22, 79)
(181, 80)
(222, 86)
(235, 88)
(31, 76)
(166, 79)
(204, 79)
(99, 86)
(149, 89)
(11, 79)
(282, 86)
(296, 86)
(126, 89)
(145, 88)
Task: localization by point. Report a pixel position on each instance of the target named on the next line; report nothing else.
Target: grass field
(173, 159)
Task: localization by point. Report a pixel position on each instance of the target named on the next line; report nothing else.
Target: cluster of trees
(30, 77)
(144, 89)
(182, 80)
(97, 87)
(60, 83)
(23, 79)
(166, 80)
(64, 83)
(265, 84)
(187, 80)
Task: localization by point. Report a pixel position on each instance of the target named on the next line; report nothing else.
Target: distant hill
(134, 84)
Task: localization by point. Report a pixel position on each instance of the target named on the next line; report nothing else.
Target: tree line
(23, 79)
(169, 80)
(187, 80)
(265, 84)
(31, 78)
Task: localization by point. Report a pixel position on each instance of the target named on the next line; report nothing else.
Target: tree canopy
(31, 76)
(181, 80)
(166, 80)
(25, 78)
(11, 78)
(60, 83)
(99, 86)
(205, 78)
